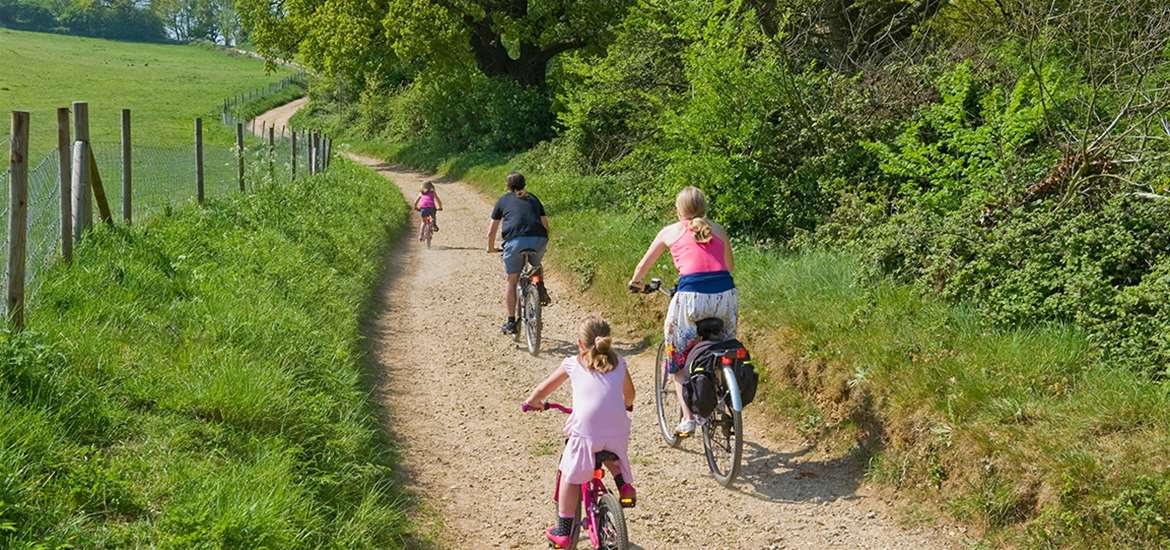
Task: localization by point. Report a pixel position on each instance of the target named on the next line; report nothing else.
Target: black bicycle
(723, 428)
(528, 303)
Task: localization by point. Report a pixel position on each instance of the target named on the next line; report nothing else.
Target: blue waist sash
(712, 282)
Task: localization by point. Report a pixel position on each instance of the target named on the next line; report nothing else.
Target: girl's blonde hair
(693, 206)
(594, 335)
(427, 187)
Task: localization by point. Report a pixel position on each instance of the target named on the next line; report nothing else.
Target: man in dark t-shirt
(525, 227)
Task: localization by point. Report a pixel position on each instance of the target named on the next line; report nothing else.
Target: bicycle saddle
(527, 251)
(710, 328)
(604, 456)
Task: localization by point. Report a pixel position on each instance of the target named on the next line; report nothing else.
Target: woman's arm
(728, 257)
(628, 390)
(656, 249)
(416, 199)
(544, 389)
(438, 203)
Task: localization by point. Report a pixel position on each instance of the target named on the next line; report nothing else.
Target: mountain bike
(723, 428)
(603, 518)
(528, 308)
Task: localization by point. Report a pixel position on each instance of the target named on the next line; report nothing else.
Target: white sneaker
(687, 426)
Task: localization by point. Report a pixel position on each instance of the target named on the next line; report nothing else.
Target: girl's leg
(569, 498)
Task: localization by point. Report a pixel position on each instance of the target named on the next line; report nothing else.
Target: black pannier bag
(702, 362)
(700, 389)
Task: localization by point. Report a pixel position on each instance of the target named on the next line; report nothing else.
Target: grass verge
(1018, 432)
(196, 381)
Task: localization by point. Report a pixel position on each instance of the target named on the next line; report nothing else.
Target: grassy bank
(196, 381)
(1019, 432)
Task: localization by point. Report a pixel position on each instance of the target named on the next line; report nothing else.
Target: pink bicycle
(604, 519)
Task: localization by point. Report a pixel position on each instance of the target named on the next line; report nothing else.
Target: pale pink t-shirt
(691, 256)
(599, 406)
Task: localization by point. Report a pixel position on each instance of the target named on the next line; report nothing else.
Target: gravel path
(452, 385)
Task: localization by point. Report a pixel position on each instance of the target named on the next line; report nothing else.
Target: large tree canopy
(514, 39)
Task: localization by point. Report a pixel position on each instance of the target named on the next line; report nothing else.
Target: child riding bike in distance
(427, 203)
(602, 392)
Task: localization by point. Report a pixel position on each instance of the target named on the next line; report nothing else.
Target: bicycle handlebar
(547, 405)
(550, 405)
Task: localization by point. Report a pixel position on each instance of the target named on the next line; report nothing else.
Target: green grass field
(165, 86)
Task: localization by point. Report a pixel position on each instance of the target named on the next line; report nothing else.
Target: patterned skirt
(686, 310)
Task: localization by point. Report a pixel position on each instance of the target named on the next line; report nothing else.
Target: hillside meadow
(165, 86)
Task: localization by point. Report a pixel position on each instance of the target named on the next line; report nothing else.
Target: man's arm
(493, 228)
(544, 222)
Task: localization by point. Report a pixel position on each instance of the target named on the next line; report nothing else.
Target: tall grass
(196, 381)
(1019, 432)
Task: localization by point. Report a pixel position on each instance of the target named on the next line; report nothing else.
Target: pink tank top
(690, 256)
(426, 200)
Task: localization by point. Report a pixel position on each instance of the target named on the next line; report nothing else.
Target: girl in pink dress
(602, 392)
(427, 203)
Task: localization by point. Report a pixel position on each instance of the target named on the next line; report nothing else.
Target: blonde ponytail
(692, 207)
(701, 229)
(594, 335)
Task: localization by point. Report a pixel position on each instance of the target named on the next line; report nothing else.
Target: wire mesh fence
(161, 177)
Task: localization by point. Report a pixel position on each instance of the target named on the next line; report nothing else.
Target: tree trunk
(493, 60)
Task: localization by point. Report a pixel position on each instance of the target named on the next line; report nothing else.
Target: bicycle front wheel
(666, 400)
(532, 322)
(611, 524)
(723, 442)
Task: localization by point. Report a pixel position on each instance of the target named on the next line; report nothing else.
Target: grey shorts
(514, 262)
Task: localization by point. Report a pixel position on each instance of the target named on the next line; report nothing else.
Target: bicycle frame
(591, 491)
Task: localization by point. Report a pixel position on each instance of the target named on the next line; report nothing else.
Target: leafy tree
(514, 39)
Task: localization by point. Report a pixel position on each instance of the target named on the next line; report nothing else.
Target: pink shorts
(577, 460)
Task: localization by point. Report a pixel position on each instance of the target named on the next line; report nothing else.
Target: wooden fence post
(17, 217)
(82, 195)
(271, 152)
(80, 175)
(293, 134)
(64, 173)
(312, 136)
(240, 154)
(126, 167)
(199, 160)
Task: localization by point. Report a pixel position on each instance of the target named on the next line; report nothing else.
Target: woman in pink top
(602, 391)
(701, 251)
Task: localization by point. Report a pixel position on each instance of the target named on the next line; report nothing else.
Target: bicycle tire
(724, 474)
(532, 318)
(611, 521)
(663, 399)
(519, 313)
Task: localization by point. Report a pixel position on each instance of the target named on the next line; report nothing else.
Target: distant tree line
(139, 20)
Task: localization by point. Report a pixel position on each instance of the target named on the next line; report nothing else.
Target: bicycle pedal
(627, 502)
(683, 435)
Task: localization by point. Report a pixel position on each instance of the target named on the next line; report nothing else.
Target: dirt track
(452, 385)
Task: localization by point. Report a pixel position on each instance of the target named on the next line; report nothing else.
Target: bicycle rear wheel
(666, 400)
(532, 321)
(723, 442)
(611, 524)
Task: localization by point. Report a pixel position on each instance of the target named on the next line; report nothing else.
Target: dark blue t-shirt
(521, 216)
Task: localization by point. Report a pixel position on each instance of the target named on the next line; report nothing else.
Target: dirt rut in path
(453, 384)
